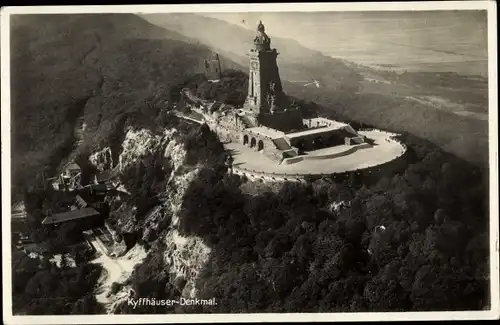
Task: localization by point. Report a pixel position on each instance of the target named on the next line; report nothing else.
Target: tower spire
(262, 42)
(265, 92)
(260, 27)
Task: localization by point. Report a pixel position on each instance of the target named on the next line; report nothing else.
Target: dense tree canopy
(397, 246)
(39, 287)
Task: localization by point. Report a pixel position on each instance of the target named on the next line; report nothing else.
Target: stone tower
(265, 92)
(213, 68)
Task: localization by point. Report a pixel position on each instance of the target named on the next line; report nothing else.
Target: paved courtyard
(383, 151)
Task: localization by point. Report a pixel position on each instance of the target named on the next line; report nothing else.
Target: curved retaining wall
(269, 177)
(396, 165)
(371, 174)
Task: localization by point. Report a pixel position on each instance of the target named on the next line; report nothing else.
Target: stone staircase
(282, 144)
(291, 153)
(285, 147)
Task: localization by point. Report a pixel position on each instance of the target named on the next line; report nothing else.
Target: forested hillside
(411, 241)
(296, 62)
(416, 241)
(95, 75)
(109, 70)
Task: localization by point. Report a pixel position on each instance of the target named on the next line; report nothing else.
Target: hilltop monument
(266, 99)
(271, 124)
(264, 79)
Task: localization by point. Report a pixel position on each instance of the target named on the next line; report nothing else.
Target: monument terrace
(270, 135)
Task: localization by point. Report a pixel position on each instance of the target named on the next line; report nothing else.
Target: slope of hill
(345, 91)
(296, 62)
(83, 77)
(461, 135)
(78, 81)
(437, 41)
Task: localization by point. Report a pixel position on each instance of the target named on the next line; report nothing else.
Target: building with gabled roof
(70, 215)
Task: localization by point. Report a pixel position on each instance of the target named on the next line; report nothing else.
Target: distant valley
(412, 41)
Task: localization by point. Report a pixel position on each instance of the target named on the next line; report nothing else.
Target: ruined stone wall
(213, 68)
(230, 121)
(224, 134)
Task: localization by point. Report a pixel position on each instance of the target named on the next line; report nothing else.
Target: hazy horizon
(416, 41)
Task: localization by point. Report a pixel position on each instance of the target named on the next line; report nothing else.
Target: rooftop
(35, 248)
(70, 215)
(81, 202)
(19, 207)
(321, 121)
(267, 132)
(104, 175)
(72, 166)
(334, 127)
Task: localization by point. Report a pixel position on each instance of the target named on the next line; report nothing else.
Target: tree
(69, 233)
(384, 293)
(86, 306)
(439, 216)
(65, 263)
(115, 287)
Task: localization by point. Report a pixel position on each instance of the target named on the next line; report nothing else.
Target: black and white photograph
(250, 162)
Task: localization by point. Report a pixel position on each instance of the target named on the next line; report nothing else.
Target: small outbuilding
(71, 170)
(86, 218)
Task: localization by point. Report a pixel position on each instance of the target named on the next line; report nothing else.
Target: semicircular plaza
(383, 149)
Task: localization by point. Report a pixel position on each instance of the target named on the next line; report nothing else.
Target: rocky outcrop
(117, 270)
(122, 212)
(179, 186)
(102, 159)
(140, 143)
(176, 153)
(337, 206)
(186, 256)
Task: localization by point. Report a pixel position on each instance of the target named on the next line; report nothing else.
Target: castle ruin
(213, 68)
